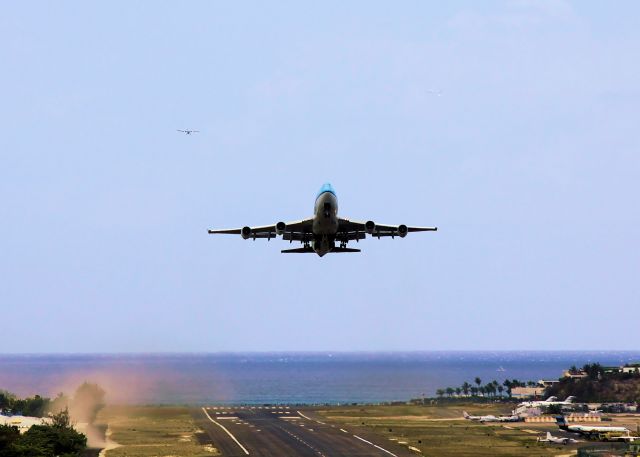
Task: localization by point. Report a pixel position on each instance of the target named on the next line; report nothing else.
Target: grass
(440, 431)
(153, 432)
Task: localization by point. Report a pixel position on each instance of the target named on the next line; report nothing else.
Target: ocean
(275, 378)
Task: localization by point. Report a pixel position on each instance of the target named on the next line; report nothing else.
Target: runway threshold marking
(227, 431)
(375, 445)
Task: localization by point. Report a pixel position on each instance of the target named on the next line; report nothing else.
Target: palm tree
(500, 389)
(482, 390)
(440, 393)
(507, 384)
(458, 391)
(450, 391)
(478, 381)
(465, 387)
(474, 391)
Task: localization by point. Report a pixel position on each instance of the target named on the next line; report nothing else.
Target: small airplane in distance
(557, 440)
(187, 131)
(490, 418)
(319, 233)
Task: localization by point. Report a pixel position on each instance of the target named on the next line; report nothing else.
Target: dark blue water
(283, 377)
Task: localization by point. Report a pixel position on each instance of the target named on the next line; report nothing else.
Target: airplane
(597, 432)
(319, 233)
(188, 132)
(548, 402)
(557, 440)
(490, 418)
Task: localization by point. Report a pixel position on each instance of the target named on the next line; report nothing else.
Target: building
(627, 368)
(527, 392)
(574, 375)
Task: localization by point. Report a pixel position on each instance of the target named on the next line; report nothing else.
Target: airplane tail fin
(465, 414)
(548, 435)
(298, 251)
(570, 399)
(345, 250)
(562, 422)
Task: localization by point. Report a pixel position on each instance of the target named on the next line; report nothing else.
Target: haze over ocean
(283, 377)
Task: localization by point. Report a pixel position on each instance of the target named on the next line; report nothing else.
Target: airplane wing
(355, 230)
(292, 231)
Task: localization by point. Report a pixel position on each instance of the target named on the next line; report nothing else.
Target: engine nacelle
(402, 230)
(280, 228)
(369, 227)
(245, 233)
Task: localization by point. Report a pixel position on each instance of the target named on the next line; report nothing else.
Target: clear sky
(528, 162)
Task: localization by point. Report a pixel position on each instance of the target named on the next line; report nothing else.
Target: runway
(286, 432)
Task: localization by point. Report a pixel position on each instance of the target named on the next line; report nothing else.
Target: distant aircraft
(188, 132)
(596, 432)
(558, 440)
(320, 232)
(548, 402)
(490, 418)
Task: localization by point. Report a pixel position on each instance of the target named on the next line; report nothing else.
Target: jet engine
(369, 227)
(280, 227)
(245, 233)
(402, 230)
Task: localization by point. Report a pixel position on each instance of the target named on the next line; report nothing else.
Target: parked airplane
(490, 418)
(558, 440)
(596, 432)
(188, 132)
(548, 402)
(320, 233)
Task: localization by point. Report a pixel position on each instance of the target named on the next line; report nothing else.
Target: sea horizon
(296, 377)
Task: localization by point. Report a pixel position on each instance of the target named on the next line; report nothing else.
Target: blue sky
(528, 162)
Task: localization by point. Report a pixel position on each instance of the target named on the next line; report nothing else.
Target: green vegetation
(492, 390)
(33, 406)
(142, 431)
(598, 385)
(57, 439)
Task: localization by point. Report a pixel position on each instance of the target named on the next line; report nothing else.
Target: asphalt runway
(286, 432)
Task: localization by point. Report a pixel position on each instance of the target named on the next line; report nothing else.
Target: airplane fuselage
(325, 221)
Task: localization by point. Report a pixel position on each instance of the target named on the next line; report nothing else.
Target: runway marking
(308, 418)
(227, 418)
(375, 445)
(343, 430)
(228, 432)
(314, 449)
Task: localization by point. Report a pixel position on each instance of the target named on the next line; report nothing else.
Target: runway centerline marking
(228, 432)
(375, 445)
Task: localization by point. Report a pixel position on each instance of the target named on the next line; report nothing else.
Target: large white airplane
(490, 418)
(596, 432)
(557, 440)
(548, 402)
(320, 232)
